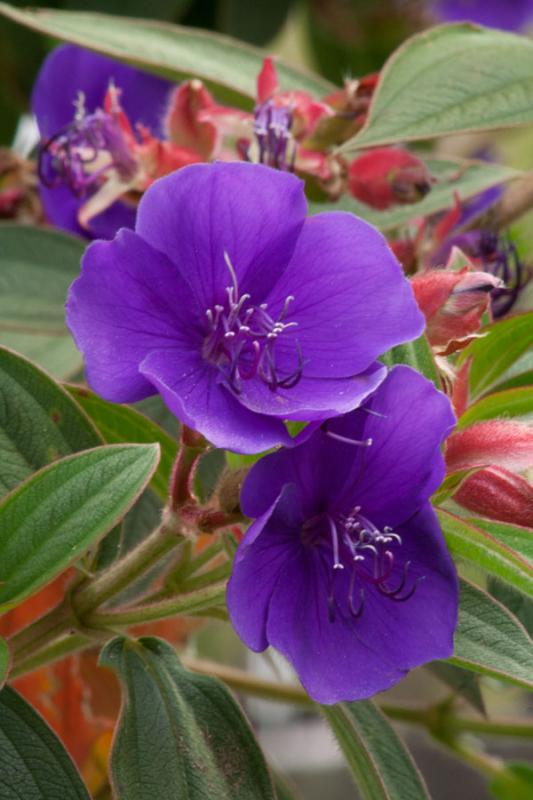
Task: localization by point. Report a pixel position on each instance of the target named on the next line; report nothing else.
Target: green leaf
(33, 763)
(450, 79)
(479, 547)
(510, 403)
(381, 765)
(518, 604)
(179, 734)
(121, 423)
(515, 782)
(39, 422)
(451, 484)
(222, 63)
(515, 537)
(416, 354)
(5, 660)
(490, 640)
(48, 521)
(37, 266)
(504, 343)
(460, 681)
(465, 178)
(516, 381)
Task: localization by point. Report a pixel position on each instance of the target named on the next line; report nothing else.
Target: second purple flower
(241, 312)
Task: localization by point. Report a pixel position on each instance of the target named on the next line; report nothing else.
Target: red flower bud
(184, 123)
(497, 494)
(386, 176)
(267, 81)
(497, 442)
(453, 304)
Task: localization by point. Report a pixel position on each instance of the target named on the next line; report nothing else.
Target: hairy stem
(94, 593)
(189, 603)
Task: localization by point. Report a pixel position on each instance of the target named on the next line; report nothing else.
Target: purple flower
(344, 569)
(510, 15)
(82, 141)
(237, 309)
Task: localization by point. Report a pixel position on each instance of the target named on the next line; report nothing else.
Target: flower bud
(502, 443)
(387, 176)
(497, 494)
(453, 303)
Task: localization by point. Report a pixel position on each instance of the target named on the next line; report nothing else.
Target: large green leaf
(510, 403)
(120, 423)
(33, 763)
(479, 547)
(462, 178)
(180, 735)
(39, 422)
(223, 63)
(416, 354)
(490, 640)
(461, 681)
(502, 344)
(450, 79)
(37, 266)
(48, 521)
(382, 767)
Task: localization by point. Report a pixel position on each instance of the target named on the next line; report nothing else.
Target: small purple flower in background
(344, 569)
(241, 312)
(68, 99)
(510, 15)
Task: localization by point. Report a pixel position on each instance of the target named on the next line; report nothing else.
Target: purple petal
(351, 659)
(128, 301)
(312, 398)
(69, 69)
(251, 212)
(270, 543)
(191, 389)
(403, 466)
(510, 15)
(351, 299)
(61, 208)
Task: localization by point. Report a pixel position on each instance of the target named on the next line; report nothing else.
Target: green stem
(60, 648)
(243, 681)
(94, 593)
(56, 622)
(182, 604)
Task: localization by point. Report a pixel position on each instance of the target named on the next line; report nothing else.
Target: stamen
(346, 440)
(241, 339)
(335, 544)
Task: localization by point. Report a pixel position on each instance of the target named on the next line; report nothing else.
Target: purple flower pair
(243, 314)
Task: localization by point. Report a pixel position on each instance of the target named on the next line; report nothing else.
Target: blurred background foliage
(337, 38)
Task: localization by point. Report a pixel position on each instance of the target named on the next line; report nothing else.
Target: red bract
(453, 303)
(387, 176)
(498, 494)
(498, 442)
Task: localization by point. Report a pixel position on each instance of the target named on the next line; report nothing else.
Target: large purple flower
(67, 100)
(344, 569)
(237, 309)
(510, 15)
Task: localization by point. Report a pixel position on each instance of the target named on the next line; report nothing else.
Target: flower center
(500, 258)
(352, 543)
(241, 340)
(80, 155)
(272, 130)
